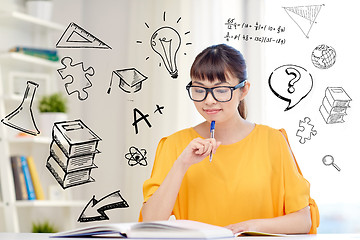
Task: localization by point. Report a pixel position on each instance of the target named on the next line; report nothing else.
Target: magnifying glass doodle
(329, 160)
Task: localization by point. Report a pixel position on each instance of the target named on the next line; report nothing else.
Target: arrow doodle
(95, 209)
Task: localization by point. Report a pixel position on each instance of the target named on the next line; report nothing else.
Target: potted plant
(52, 108)
(44, 227)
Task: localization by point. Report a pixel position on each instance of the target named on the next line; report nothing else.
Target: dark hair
(215, 62)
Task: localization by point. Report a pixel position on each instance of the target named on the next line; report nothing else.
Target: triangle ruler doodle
(76, 37)
(304, 16)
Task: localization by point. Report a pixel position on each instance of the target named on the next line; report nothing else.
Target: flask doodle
(290, 83)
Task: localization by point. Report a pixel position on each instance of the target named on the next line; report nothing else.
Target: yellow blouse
(253, 178)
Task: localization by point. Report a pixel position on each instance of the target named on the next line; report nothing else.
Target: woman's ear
(245, 90)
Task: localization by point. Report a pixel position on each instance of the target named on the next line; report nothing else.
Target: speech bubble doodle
(290, 83)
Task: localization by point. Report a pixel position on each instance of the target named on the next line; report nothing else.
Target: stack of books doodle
(72, 153)
(334, 105)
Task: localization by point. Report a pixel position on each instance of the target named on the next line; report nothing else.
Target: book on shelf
(49, 54)
(174, 229)
(28, 180)
(19, 178)
(39, 192)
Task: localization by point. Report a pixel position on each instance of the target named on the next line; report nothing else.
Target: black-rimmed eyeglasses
(220, 93)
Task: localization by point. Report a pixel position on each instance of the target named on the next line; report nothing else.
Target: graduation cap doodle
(130, 80)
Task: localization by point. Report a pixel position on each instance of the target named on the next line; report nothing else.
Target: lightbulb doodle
(304, 16)
(78, 76)
(166, 42)
(95, 209)
(22, 118)
(290, 83)
(306, 130)
(136, 156)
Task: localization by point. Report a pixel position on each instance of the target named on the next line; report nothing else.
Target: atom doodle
(136, 156)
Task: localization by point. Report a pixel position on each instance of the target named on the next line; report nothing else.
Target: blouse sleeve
(296, 187)
(164, 159)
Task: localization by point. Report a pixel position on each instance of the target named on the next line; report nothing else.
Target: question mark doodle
(297, 76)
(284, 88)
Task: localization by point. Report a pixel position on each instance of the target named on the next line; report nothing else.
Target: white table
(43, 236)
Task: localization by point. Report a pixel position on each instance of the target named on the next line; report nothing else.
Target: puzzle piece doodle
(79, 77)
(306, 130)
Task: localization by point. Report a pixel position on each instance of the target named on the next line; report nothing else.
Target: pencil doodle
(334, 105)
(329, 160)
(136, 156)
(166, 42)
(306, 130)
(95, 209)
(76, 37)
(130, 80)
(323, 56)
(282, 83)
(79, 77)
(22, 118)
(72, 153)
(304, 16)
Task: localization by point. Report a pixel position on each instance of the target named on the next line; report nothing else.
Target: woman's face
(213, 110)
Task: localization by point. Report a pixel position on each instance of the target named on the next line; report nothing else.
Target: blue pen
(212, 135)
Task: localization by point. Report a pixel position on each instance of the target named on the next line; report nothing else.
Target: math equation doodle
(304, 16)
(290, 83)
(232, 25)
(166, 41)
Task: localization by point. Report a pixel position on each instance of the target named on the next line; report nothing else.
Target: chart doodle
(304, 16)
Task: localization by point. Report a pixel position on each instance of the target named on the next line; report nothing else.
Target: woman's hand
(249, 225)
(197, 150)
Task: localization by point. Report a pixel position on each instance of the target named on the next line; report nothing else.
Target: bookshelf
(18, 215)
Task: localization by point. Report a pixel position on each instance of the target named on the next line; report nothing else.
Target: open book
(159, 229)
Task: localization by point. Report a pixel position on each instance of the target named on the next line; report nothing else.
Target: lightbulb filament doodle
(166, 42)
